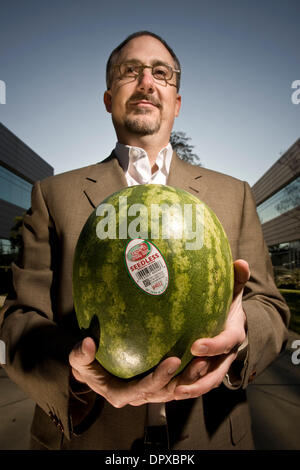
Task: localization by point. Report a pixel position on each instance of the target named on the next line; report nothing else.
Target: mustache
(142, 96)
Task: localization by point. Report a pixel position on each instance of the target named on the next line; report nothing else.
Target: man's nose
(145, 80)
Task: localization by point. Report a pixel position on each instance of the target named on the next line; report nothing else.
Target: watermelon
(152, 273)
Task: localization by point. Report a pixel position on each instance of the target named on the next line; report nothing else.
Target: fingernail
(172, 370)
(84, 350)
(202, 349)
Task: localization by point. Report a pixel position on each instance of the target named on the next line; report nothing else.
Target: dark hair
(115, 55)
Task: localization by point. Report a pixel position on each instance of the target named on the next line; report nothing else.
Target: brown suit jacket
(39, 327)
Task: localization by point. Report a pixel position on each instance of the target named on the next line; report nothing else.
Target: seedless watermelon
(152, 273)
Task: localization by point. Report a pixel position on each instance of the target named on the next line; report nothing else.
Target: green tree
(181, 145)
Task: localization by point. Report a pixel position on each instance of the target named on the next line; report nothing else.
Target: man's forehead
(146, 48)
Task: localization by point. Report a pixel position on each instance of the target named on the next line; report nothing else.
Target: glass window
(286, 254)
(284, 200)
(14, 189)
(286, 263)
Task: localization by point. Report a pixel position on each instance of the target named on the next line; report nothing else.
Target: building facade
(277, 196)
(20, 167)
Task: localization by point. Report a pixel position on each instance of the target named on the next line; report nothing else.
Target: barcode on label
(148, 270)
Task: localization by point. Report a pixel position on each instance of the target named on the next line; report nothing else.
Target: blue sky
(239, 59)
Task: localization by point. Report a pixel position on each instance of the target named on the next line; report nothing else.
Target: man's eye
(130, 69)
(160, 72)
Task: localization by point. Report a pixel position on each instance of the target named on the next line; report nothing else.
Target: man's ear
(107, 100)
(177, 105)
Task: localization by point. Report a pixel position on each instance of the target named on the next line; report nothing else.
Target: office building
(20, 167)
(277, 196)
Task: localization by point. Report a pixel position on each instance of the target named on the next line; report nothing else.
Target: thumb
(241, 275)
(83, 353)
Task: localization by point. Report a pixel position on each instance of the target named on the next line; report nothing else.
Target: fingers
(81, 356)
(241, 275)
(212, 379)
(234, 332)
(227, 341)
(196, 369)
(155, 387)
(83, 353)
(161, 375)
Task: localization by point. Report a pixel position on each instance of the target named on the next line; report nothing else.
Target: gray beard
(140, 127)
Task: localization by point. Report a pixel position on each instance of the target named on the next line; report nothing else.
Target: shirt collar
(135, 161)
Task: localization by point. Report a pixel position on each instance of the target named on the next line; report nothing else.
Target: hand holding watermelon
(155, 387)
(215, 356)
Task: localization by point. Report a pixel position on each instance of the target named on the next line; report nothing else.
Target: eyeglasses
(160, 71)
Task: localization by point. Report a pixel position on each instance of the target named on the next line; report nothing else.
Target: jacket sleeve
(266, 311)
(37, 344)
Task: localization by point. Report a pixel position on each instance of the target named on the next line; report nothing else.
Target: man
(205, 406)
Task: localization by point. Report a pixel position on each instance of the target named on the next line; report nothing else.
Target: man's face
(143, 105)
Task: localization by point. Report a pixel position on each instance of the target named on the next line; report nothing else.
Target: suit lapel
(103, 180)
(188, 177)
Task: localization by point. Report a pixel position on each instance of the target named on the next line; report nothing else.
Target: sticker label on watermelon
(146, 266)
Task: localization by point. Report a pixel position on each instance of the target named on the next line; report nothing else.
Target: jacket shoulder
(68, 176)
(213, 176)
(222, 177)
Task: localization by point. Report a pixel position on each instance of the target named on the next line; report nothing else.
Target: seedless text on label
(146, 266)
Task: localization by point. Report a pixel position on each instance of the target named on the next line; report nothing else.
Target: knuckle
(233, 346)
(136, 403)
(72, 358)
(218, 382)
(139, 399)
(196, 392)
(202, 371)
(117, 404)
(228, 349)
(142, 397)
(76, 374)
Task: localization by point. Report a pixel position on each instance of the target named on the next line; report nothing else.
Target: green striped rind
(137, 330)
